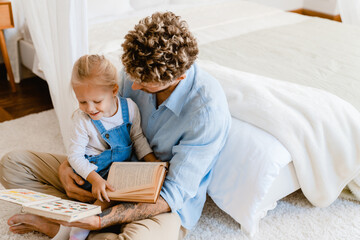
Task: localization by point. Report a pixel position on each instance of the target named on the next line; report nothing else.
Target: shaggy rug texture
(293, 218)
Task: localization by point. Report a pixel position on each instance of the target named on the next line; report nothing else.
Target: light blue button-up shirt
(188, 130)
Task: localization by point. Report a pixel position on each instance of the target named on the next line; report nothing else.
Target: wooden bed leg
(7, 61)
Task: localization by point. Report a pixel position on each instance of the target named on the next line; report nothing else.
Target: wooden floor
(32, 96)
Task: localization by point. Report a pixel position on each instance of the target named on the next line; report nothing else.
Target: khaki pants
(39, 172)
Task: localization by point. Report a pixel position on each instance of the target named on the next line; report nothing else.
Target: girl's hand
(99, 186)
(150, 157)
(99, 190)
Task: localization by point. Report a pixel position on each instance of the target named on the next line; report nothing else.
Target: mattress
(28, 57)
(27, 53)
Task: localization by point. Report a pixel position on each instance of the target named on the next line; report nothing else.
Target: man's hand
(69, 179)
(90, 223)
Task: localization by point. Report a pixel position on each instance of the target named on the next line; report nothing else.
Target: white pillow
(142, 4)
(247, 166)
(104, 8)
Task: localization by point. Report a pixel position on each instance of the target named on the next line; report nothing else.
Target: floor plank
(4, 115)
(32, 96)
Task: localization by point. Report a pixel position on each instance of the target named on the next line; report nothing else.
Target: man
(186, 120)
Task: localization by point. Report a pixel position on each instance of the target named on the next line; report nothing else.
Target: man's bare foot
(24, 223)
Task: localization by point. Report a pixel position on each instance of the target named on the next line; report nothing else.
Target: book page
(62, 207)
(24, 196)
(130, 176)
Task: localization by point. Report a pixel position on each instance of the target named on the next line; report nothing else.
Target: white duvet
(320, 130)
(208, 23)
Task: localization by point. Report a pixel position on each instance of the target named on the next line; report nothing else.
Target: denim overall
(119, 141)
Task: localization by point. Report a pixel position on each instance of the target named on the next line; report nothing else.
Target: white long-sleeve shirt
(86, 139)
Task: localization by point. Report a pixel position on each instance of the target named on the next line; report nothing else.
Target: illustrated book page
(63, 209)
(49, 206)
(25, 197)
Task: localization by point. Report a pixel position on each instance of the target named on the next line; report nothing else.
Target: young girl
(106, 128)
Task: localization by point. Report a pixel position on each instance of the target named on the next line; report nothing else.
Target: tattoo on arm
(129, 212)
(129, 205)
(105, 212)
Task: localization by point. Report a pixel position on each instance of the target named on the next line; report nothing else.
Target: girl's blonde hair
(94, 69)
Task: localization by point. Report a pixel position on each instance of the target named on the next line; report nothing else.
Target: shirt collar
(178, 97)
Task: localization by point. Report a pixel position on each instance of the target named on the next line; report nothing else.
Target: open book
(49, 206)
(136, 181)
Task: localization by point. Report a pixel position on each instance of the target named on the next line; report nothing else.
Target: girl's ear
(115, 89)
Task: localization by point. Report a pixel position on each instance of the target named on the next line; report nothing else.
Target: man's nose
(136, 86)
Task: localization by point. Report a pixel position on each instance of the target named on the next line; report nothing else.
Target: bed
(243, 40)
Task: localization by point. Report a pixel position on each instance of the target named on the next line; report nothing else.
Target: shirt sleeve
(78, 142)
(125, 84)
(141, 144)
(122, 80)
(194, 157)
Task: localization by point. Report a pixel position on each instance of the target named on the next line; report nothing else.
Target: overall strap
(124, 109)
(98, 124)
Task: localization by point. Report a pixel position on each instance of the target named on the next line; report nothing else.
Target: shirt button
(107, 136)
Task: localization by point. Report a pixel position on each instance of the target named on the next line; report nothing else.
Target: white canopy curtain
(59, 32)
(350, 11)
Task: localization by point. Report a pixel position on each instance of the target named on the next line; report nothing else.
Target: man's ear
(115, 89)
(181, 77)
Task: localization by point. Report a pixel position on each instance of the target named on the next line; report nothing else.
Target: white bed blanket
(317, 53)
(320, 130)
(208, 23)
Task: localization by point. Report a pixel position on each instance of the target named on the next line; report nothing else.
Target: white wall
(286, 5)
(323, 6)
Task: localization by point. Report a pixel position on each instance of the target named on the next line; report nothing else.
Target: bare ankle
(23, 223)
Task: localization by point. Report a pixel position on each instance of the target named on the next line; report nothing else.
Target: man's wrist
(129, 212)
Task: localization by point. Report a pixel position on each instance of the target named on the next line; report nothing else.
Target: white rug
(293, 218)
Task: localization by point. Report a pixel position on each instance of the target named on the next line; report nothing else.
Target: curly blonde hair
(94, 69)
(160, 49)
